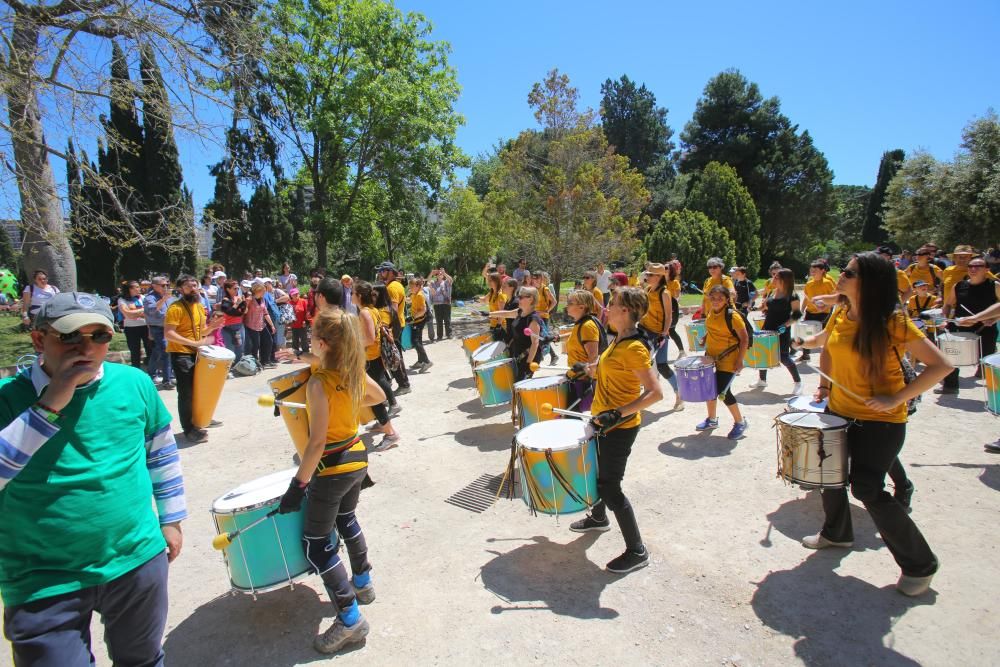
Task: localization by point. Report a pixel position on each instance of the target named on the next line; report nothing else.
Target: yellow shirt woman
(815, 288)
(342, 427)
(397, 295)
(847, 369)
(718, 339)
(674, 287)
(615, 381)
(585, 331)
(598, 301)
(418, 306)
(495, 302)
(374, 350)
(654, 319)
(545, 299)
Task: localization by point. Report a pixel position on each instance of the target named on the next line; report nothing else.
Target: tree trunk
(46, 246)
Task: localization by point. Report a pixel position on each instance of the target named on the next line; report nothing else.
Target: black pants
(988, 339)
(138, 338)
(674, 336)
(785, 350)
(442, 315)
(874, 448)
(259, 344)
(183, 365)
(400, 373)
(376, 371)
(300, 339)
(722, 381)
(56, 630)
(613, 450)
(332, 502)
(417, 338)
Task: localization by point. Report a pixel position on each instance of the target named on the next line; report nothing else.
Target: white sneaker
(678, 404)
(797, 389)
(759, 384)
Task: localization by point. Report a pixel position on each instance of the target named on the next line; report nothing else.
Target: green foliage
(694, 237)
(634, 125)
(843, 238)
(483, 166)
(470, 237)
(8, 258)
(874, 231)
(788, 178)
(227, 213)
(720, 195)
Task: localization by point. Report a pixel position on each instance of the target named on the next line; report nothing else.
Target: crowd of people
(107, 548)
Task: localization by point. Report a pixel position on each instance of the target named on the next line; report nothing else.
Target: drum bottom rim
(270, 587)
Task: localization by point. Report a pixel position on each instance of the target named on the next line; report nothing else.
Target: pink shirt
(254, 319)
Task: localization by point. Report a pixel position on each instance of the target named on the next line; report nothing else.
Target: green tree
(360, 94)
(843, 237)
(873, 230)
(227, 214)
(915, 208)
(694, 237)
(788, 178)
(720, 195)
(470, 237)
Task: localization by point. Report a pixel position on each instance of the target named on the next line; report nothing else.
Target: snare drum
(209, 377)
(269, 555)
(530, 394)
(757, 320)
(805, 404)
(558, 461)
(473, 342)
(764, 353)
(934, 317)
(292, 387)
(490, 352)
(812, 449)
(961, 348)
(991, 373)
(805, 328)
(696, 379)
(495, 382)
(696, 333)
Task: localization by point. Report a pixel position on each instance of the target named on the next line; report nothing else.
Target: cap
(68, 311)
(245, 284)
(292, 276)
(219, 274)
(293, 292)
(884, 250)
(386, 266)
(920, 283)
(268, 280)
(964, 250)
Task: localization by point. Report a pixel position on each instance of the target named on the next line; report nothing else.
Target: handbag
(391, 358)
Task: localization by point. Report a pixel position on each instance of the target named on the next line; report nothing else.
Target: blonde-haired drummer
(583, 345)
(625, 385)
(657, 322)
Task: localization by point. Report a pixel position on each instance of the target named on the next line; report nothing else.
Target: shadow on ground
(760, 397)
(486, 437)
(277, 629)
(990, 471)
(800, 517)
(474, 408)
(698, 446)
(548, 575)
(462, 383)
(835, 620)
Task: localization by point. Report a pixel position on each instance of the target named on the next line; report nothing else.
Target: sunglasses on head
(76, 337)
(848, 273)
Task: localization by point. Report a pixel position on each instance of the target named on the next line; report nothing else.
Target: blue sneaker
(707, 424)
(739, 428)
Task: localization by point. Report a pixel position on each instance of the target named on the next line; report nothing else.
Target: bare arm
(367, 327)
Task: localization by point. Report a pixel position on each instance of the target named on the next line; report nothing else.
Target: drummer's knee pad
(321, 553)
(348, 526)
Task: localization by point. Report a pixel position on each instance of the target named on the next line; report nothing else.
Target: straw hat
(962, 250)
(656, 269)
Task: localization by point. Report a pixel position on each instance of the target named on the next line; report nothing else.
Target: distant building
(13, 229)
(203, 234)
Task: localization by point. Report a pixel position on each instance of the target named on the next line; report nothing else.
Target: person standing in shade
(348, 299)
(521, 272)
(440, 287)
(603, 281)
(154, 307)
(134, 323)
(92, 496)
(37, 293)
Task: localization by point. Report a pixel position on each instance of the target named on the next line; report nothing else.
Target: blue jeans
(55, 631)
(232, 337)
(158, 357)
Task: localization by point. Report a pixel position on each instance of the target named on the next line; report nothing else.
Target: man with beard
(186, 328)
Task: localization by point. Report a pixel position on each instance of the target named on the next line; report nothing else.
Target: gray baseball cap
(68, 311)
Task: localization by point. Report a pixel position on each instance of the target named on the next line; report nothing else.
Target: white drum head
(992, 360)
(813, 420)
(555, 434)
(216, 352)
(488, 351)
(932, 313)
(695, 363)
(805, 404)
(957, 336)
(254, 493)
(540, 383)
(493, 364)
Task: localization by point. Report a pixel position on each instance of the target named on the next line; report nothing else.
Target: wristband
(51, 415)
(826, 386)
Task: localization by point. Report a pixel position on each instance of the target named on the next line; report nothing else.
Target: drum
(473, 342)
(696, 379)
(292, 387)
(764, 353)
(805, 404)
(919, 323)
(210, 373)
(805, 328)
(406, 338)
(934, 317)
(495, 382)
(961, 348)
(991, 373)
(531, 393)
(269, 555)
(558, 461)
(490, 352)
(757, 320)
(812, 449)
(696, 332)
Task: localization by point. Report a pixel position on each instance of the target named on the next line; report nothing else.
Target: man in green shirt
(84, 447)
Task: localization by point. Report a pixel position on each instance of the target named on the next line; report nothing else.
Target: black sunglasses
(848, 273)
(76, 337)
(976, 266)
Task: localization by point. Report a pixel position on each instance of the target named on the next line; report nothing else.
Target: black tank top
(520, 343)
(974, 297)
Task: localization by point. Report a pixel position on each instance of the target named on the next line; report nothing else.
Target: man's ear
(36, 339)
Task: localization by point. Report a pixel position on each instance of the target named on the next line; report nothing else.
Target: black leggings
(417, 338)
(674, 336)
(722, 379)
(785, 348)
(137, 338)
(613, 449)
(376, 371)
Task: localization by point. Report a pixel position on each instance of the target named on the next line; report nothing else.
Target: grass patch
(15, 343)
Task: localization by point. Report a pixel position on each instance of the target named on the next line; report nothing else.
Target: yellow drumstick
(547, 410)
(268, 401)
(534, 367)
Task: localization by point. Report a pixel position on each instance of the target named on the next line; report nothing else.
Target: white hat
(268, 280)
(218, 274)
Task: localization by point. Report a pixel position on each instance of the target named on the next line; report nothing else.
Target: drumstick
(546, 410)
(268, 401)
(220, 542)
(534, 367)
(842, 387)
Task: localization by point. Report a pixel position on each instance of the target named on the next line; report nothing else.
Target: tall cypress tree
(873, 231)
(228, 211)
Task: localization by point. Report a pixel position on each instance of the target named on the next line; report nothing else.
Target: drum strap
(282, 395)
(558, 475)
(338, 453)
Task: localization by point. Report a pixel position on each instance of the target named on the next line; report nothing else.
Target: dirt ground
(728, 583)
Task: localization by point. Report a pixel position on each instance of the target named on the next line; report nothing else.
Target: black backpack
(602, 334)
(746, 325)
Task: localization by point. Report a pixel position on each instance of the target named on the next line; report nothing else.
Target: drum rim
(683, 363)
(555, 424)
(846, 423)
(562, 380)
(256, 505)
(996, 360)
(811, 402)
(306, 369)
(492, 363)
(209, 352)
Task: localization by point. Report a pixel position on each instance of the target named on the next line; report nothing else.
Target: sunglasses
(848, 273)
(976, 266)
(76, 337)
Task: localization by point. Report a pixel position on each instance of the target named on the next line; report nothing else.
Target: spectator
(396, 293)
(134, 323)
(272, 309)
(258, 327)
(285, 276)
(348, 301)
(281, 322)
(233, 308)
(300, 332)
(440, 288)
(36, 295)
(603, 277)
(430, 311)
(520, 273)
(154, 306)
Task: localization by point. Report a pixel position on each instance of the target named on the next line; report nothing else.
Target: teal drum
(406, 338)
(991, 373)
(764, 353)
(558, 461)
(269, 555)
(696, 334)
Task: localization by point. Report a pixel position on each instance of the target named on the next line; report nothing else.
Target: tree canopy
(719, 194)
(693, 237)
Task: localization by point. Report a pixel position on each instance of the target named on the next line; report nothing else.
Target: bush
(467, 286)
(694, 238)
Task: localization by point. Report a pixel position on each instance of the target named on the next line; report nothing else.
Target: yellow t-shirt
(902, 282)
(598, 301)
(385, 317)
(653, 320)
(633, 281)
(545, 299)
(397, 295)
(418, 304)
(496, 302)
(718, 338)
(343, 423)
(711, 282)
(930, 274)
(846, 368)
(674, 287)
(191, 327)
(374, 350)
(589, 333)
(916, 305)
(615, 381)
(815, 288)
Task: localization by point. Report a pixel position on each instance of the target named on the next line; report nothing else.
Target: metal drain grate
(480, 494)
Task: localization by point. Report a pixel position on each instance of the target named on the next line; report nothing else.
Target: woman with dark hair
(782, 308)
(864, 343)
(726, 341)
(371, 325)
(134, 322)
(674, 287)
(625, 385)
(495, 301)
(524, 348)
(233, 307)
